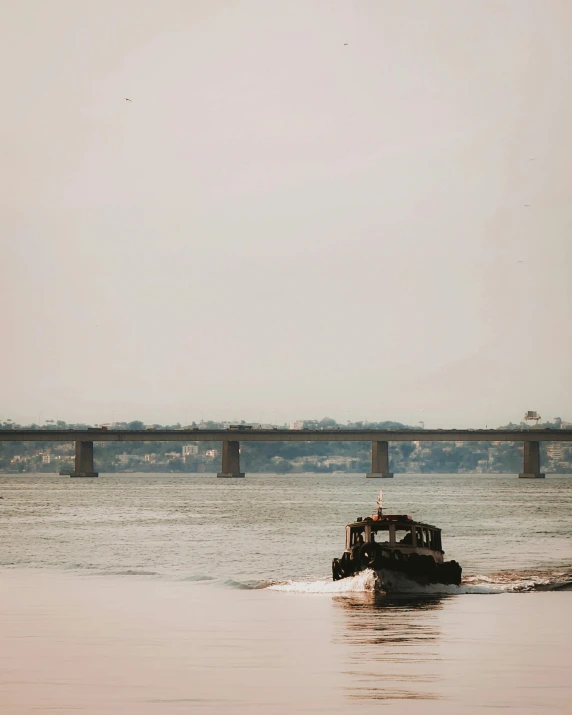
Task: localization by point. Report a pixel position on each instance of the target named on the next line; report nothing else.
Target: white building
(190, 450)
(125, 458)
(555, 450)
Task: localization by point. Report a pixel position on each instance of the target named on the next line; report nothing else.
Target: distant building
(338, 461)
(298, 424)
(301, 461)
(190, 450)
(46, 458)
(212, 453)
(555, 450)
(124, 458)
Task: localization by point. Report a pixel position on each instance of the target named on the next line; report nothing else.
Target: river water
(177, 593)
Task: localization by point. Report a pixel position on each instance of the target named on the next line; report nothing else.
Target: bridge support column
(379, 461)
(84, 460)
(230, 459)
(531, 461)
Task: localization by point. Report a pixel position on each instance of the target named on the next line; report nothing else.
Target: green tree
(327, 423)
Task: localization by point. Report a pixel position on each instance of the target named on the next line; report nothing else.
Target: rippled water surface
(269, 527)
(162, 594)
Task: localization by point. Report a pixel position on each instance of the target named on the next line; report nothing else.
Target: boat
(402, 552)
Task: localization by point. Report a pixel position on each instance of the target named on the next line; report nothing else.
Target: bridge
(231, 438)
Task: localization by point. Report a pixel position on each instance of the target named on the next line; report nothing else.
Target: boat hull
(400, 582)
(402, 575)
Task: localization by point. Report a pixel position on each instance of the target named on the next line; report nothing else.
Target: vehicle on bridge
(403, 553)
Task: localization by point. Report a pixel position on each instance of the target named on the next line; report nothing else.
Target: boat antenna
(380, 503)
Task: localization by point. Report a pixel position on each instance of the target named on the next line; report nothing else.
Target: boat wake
(502, 582)
(360, 583)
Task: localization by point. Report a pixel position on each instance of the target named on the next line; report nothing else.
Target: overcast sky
(281, 225)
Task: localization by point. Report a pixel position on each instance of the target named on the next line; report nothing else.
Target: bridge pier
(84, 460)
(531, 461)
(230, 459)
(379, 461)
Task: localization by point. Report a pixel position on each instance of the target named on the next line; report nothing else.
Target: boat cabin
(395, 531)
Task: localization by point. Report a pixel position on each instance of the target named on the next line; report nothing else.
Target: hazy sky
(282, 226)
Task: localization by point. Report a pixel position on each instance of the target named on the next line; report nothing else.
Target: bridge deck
(286, 435)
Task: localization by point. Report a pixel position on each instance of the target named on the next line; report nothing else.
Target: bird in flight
(128, 100)
(345, 44)
(527, 206)
(520, 261)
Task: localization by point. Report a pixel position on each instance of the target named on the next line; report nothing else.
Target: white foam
(367, 581)
(360, 583)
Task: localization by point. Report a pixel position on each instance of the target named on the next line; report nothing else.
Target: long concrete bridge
(231, 438)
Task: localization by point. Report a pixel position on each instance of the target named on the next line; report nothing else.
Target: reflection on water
(392, 646)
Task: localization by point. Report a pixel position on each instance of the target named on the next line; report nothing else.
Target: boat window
(355, 534)
(434, 539)
(420, 539)
(404, 536)
(427, 533)
(380, 535)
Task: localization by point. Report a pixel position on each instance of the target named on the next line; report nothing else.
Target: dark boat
(401, 551)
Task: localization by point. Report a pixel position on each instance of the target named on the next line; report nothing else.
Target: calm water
(163, 593)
